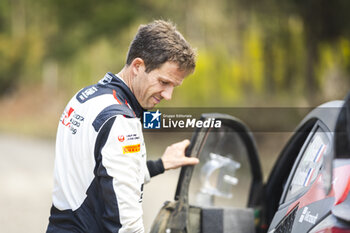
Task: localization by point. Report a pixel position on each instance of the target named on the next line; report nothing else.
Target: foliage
(249, 52)
(80, 23)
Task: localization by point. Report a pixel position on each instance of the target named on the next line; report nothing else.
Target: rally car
(307, 189)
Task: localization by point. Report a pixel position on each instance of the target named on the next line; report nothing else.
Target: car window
(311, 162)
(223, 176)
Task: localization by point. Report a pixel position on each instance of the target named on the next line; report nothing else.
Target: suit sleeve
(123, 160)
(155, 167)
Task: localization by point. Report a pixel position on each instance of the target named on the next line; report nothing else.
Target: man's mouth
(156, 99)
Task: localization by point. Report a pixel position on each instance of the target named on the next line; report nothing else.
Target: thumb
(191, 161)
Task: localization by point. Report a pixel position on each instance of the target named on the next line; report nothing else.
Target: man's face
(150, 88)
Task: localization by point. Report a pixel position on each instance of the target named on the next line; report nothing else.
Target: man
(100, 164)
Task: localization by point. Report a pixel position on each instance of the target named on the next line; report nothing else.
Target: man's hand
(174, 156)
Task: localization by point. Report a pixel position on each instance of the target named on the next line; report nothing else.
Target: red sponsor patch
(121, 138)
(66, 119)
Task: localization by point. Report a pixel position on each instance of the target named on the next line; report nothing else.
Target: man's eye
(164, 82)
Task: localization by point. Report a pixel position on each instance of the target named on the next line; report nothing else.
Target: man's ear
(137, 66)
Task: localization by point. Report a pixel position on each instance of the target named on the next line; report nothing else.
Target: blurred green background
(251, 53)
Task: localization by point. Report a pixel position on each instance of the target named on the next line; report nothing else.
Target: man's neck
(125, 76)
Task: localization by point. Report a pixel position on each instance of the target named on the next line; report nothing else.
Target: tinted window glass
(310, 164)
(223, 177)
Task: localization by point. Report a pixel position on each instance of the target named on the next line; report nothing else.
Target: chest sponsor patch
(121, 138)
(132, 137)
(128, 137)
(131, 149)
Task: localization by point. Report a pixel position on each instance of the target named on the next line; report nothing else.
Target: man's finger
(186, 143)
(191, 161)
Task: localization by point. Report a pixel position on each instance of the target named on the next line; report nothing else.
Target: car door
(305, 195)
(220, 193)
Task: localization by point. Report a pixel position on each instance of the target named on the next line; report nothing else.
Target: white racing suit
(100, 163)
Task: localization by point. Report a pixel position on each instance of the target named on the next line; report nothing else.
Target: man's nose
(167, 93)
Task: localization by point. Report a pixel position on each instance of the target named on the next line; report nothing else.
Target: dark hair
(160, 42)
